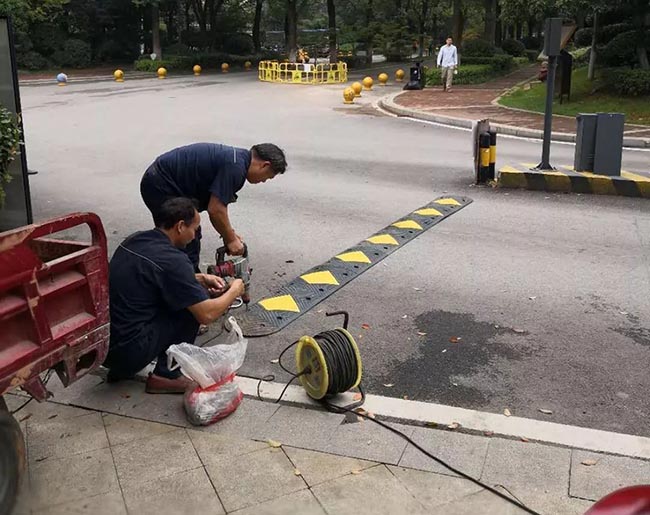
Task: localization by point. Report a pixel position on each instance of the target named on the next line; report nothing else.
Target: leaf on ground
(365, 326)
(296, 472)
(274, 444)
(589, 463)
(506, 412)
(275, 361)
(356, 397)
(355, 472)
(546, 411)
(444, 350)
(53, 416)
(455, 339)
(431, 424)
(389, 385)
(524, 439)
(453, 425)
(454, 384)
(519, 331)
(420, 333)
(405, 316)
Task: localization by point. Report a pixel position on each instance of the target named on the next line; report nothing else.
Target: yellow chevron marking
(354, 257)
(428, 211)
(383, 239)
(408, 224)
(324, 277)
(281, 303)
(447, 202)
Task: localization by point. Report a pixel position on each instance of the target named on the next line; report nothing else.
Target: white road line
(470, 420)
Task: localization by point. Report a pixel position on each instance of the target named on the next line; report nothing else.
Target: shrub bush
(627, 82)
(581, 56)
(208, 61)
(354, 62)
(32, 61)
(75, 54)
(467, 74)
(238, 44)
(532, 43)
(513, 47)
(498, 62)
(621, 50)
(477, 48)
(583, 37)
(532, 55)
(113, 50)
(521, 61)
(609, 32)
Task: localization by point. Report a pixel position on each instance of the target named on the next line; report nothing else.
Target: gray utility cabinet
(599, 143)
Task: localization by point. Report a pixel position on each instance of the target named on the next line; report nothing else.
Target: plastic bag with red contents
(213, 368)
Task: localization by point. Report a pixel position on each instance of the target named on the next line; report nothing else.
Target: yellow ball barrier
(399, 75)
(162, 73)
(357, 87)
(383, 78)
(348, 96)
(367, 83)
(225, 67)
(118, 75)
(197, 69)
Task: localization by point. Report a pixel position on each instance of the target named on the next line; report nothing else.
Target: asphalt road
(546, 294)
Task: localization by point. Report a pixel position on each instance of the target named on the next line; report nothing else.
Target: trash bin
(599, 143)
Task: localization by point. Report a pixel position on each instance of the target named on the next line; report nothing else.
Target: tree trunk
(498, 30)
(424, 13)
(292, 30)
(371, 37)
(531, 27)
(457, 31)
(155, 30)
(331, 16)
(257, 22)
(641, 50)
(592, 54)
(489, 32)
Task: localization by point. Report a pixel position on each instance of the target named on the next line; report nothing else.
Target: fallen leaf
(519, 331)
(274, 444)
(365, 326)
(356, 397)
(421, 333)
(275, 361)
(524, 439)
(296, 472)
(444, 350)
(53, 416)
(389, 385)
(506, 412)
(496, 326)
(431, 424)
(546, 411)
(454, 384)
(319, 311)
(453, 425)
(589, 463)
(355, 472)
(405, 316)
(455, 339)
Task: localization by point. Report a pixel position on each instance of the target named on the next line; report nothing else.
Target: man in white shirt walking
(448, 60)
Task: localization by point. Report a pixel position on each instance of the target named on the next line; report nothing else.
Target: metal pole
(548, 114)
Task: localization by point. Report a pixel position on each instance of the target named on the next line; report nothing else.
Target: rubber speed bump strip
(567, 180)
(271, 314)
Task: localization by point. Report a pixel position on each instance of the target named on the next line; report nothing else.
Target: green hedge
(498, 62)
(628, 82)
(513, 47)
(211, 61)
(467, 74)
(477, 48)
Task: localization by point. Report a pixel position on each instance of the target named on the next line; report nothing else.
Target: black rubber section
(12, 459)
(258, 321)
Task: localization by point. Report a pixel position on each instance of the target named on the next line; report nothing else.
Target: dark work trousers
(168, 328)
(154, 192)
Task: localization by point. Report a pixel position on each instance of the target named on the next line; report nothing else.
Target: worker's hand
(237, 288)
(212, 283)
(235, 247)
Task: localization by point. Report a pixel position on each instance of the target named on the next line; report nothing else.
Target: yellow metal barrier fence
(298, 73)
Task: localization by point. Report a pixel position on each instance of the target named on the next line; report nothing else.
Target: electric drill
(237, 267)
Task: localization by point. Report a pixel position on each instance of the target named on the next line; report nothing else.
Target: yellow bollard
(225, 67)
(399, 75)
(367, 83)
(383, 79)
(119, 75)
(248, 65)
(162, 73)
(197, 69)
(348, 96)
(356, 87)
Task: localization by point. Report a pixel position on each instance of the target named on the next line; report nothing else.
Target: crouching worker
(157, 300)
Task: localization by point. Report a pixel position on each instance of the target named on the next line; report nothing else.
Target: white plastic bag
(210, 365)
(213, 368)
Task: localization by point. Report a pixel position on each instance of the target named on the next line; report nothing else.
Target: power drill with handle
(237, 267)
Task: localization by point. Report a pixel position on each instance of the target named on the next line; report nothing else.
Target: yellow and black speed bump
(271, 314)
(566, 179)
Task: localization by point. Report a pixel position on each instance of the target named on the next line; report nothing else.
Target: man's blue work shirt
(149, 278)
(204, 169)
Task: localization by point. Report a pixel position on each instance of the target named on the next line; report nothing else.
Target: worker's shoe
(159, 384)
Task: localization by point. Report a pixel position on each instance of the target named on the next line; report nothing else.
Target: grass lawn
(636, 109)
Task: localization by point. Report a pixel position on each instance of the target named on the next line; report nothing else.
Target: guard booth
(17, 209)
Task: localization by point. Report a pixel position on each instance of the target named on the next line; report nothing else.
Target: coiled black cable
(340, 359)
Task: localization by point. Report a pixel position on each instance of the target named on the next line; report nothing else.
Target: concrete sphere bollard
(118, 75)
(383, 78)
(248, 65)
(399, 75)
(357, 87)
(225, 67)
(61, 79)
(197, 70)
(367, 83)
(162, 73)
(348, 96)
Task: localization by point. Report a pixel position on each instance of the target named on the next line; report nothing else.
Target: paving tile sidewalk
(112, 449)
(478, 102)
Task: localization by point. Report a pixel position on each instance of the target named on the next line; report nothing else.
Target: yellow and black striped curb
(271, 314)
(566, 179)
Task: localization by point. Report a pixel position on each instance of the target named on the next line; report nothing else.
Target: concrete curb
(388, 103)
(471, 421)
(626, 185)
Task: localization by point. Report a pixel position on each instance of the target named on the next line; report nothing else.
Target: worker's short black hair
(273, 154)
(173, 211)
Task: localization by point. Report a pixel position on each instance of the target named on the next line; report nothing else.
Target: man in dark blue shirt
(156, 299)
(212, 174)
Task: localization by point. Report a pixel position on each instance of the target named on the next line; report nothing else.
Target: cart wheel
(12, 458)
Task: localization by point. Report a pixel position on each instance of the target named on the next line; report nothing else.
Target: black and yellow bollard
(484, 157)
(493, 155)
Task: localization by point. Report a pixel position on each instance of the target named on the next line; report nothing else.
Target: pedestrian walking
(448, 61)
